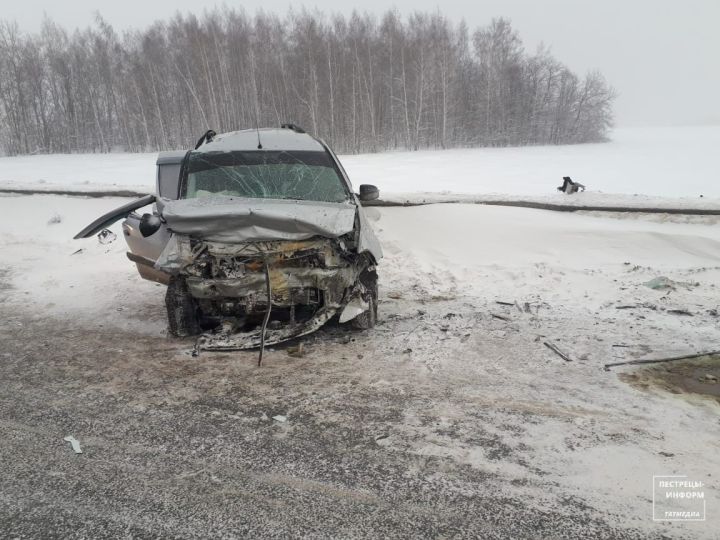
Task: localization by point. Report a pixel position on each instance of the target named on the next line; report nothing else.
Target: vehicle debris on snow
(660, 282)
(570, 187)
(557, 351)
(663, 282)
(661, 360)
(684, 312)
(74, 443)
(106, 236)
(296, 352)
(258, 236)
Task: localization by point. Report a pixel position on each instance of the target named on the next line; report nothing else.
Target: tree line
(361, 82)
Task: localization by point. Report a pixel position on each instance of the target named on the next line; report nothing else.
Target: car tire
(182, 309)
(367, 319)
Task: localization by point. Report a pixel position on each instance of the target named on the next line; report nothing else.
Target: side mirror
(149, 224)
(368, 192)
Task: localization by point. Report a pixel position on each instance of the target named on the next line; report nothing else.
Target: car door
(104, 221)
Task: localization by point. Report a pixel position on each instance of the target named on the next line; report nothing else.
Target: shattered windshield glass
(265, 174)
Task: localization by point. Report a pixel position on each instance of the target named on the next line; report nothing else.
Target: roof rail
(207, 137)
(295, 128)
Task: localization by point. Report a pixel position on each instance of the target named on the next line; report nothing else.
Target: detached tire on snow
(182, 310)
(367, 319)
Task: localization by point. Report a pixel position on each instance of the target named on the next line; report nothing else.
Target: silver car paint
(238, 219)
(333, 220)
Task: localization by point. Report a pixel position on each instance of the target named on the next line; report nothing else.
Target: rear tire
(182, 309)
(367, 319)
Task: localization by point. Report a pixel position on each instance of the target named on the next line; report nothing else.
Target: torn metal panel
(175, 256)
(145, 248)
(311, 281)
(353, 308)
(250, 340)
(235, 219)
(111, 217)
(367, 241)
(147, 270)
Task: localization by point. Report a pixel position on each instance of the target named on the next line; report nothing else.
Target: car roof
(270, 138)
(171, 157)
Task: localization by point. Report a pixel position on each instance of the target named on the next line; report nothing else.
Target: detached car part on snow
(254, 225)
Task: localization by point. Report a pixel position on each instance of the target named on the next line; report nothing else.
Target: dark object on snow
(569, 186)
(208, 136)
(661, 360)
(557, 351)
(106, 236)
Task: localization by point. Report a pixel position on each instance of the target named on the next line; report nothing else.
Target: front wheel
(182, 309)
(367, 319)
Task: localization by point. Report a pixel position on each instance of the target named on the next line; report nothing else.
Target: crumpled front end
(310, 281)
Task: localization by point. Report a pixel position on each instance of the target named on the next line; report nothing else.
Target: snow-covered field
(640, 166)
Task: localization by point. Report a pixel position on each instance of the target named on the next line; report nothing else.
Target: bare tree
(364, 83)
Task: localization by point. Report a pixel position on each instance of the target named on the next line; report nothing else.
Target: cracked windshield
(308, 176)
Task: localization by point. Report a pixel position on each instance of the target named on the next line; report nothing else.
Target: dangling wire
(267, 311)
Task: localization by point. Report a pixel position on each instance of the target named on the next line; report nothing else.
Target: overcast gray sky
(662, 56)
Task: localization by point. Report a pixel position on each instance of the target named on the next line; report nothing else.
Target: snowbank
(675, 163)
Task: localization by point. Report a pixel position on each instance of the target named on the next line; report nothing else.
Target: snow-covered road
(469, 393)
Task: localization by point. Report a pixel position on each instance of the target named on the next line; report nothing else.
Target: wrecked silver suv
(258, 236)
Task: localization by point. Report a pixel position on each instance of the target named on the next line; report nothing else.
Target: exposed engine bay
(223, 289)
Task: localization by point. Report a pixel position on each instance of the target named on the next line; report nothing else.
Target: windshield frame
(342, 178)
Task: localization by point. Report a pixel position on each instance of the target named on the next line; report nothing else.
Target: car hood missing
(236, 219)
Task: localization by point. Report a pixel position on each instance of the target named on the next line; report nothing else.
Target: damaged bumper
(249, 340)
(310, 281)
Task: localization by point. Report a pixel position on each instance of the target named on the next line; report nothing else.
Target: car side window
(169, 180)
